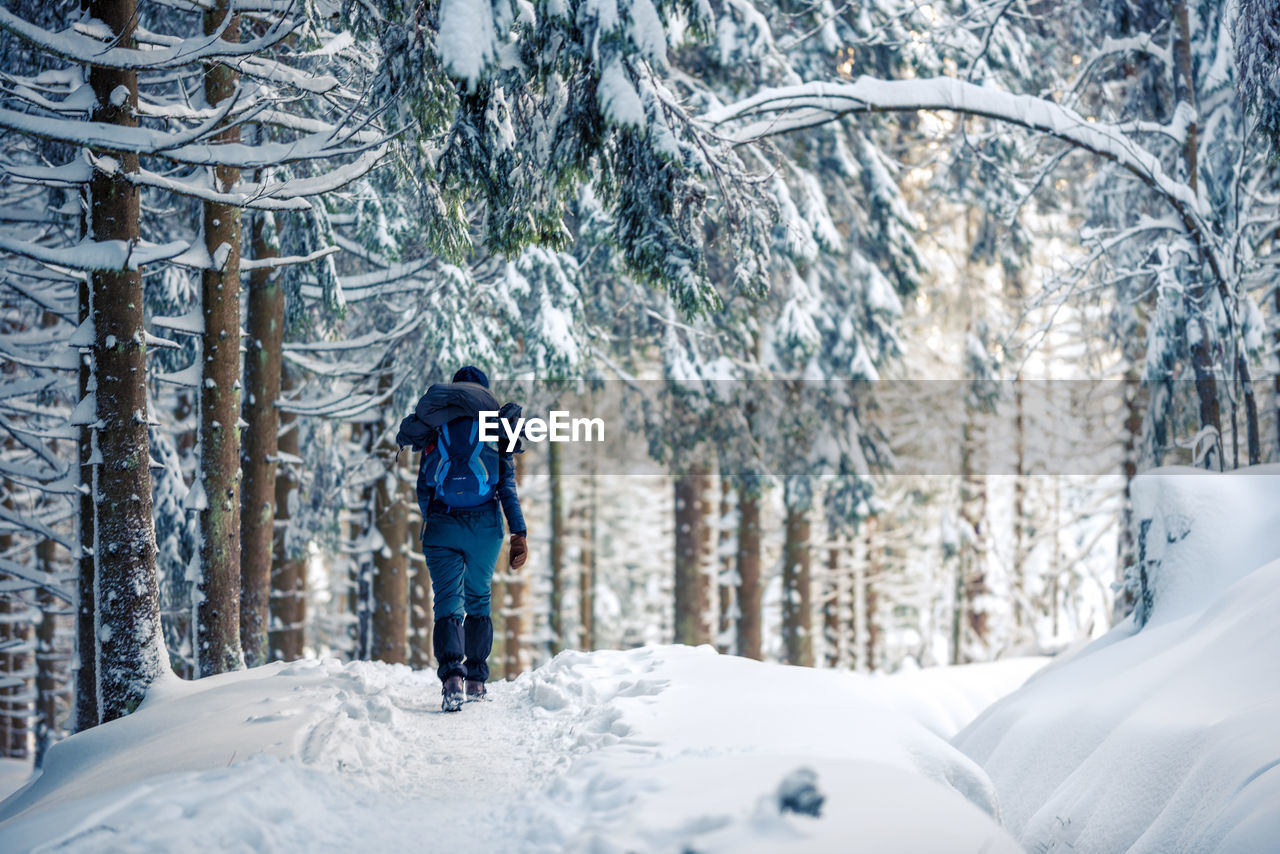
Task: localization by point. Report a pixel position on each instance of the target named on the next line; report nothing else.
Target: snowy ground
(657, 749)
(1148, 741)
(1165, 739)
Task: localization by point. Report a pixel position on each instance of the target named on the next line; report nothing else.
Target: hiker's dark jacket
(442, 403)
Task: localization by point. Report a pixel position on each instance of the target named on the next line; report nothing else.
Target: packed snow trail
(656, 749)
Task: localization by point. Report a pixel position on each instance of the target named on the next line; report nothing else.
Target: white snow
(1163, 739)
(655, 749)
(619, 100)
(468, 39)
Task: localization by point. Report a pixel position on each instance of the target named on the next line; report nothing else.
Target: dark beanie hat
(471, 374)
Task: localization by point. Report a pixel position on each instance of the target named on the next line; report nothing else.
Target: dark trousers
(462, 548)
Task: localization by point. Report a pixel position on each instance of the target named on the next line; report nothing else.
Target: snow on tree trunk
(218, 612)
(86, 674)
(750, 586)
(263, 362)
(555, 621)
(797, 593)
(692, 590)
(390, 565)
(288, 570)
(129, 645)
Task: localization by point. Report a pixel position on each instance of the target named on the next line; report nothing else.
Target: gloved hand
(519, 551)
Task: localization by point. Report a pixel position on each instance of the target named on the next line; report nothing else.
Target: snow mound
(1199, 532)
(1163, 739)
(657, 749)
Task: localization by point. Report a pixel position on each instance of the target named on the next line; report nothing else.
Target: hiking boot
(452, 693)
(476, 689)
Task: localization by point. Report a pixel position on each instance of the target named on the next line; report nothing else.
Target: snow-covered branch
(791, 108)
(81, 48)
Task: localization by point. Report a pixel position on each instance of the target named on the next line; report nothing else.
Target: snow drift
(656, 749)
(1165, 738)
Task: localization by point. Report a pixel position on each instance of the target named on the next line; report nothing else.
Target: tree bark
(513, 613)
(127, 636)
(15, 625)
(48, 658)
(973, 511)
(498, 613)
(750, 585)
(218, 612)
(691, 582)
(870, 596)
(555, 621)
(263, 364)
(1127, 542)
(725, 634)
(1202, 361)
(587, 590)
(797, 588)
(288, 571)
(832, 607)
(391, 566)
(86, 649)
(421, 619)
(360, 532)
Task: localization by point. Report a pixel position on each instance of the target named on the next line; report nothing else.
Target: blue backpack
(461, 470)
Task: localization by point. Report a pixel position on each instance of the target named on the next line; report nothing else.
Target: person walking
(462, 482)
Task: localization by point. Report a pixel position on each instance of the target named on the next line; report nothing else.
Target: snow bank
(13, 775)
(1163, 739)
(657, 749)
(1201, 531)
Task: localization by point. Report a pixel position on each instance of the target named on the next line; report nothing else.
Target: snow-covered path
(657, 749)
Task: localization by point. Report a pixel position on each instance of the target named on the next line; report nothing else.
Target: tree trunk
(726, 641)
(421, 619)
(750, 584)
(587, 590)
(288, 571)
(498, 613)
(86, 648)
(691, 587)
(218, 612)
(1275, 239)
(1019, 504)
(797, 592)
(263, 364)
(973, 511)
(48, 658)
(555, 620)
(15, 626)
(832, 606)
(513, 613)
(870, 597)
(129, 645)
(1202, 359)
(1127, 543)
(360, 534)
(391, 566)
